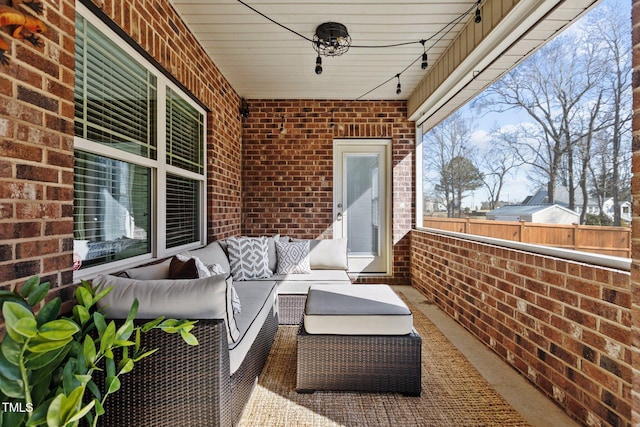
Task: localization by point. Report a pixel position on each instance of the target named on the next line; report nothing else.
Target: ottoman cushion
(356, 310)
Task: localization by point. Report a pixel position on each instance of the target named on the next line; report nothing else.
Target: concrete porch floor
(534, 406)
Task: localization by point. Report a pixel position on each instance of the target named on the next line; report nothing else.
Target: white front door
(361, 197)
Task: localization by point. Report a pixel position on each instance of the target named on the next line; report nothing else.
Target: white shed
(545, 214)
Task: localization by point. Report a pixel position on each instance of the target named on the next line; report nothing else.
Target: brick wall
(36, 154)
(563, 325)
(288, 177)
(36, 135)
(635, 190)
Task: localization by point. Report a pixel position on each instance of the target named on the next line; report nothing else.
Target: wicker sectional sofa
(209, 384)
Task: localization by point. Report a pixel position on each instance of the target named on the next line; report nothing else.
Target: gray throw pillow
(293, 257)
(249, 258)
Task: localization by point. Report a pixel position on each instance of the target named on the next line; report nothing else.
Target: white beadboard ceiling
(263, 61)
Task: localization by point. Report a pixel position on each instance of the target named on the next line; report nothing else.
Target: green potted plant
(48, 361)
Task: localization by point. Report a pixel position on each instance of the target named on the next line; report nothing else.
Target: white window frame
(159, 167)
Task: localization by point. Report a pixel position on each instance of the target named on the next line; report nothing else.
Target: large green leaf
(69, 380)
(12, 388)
(133, 310)
(82, 412)
(152, 324)
(8, 369)
(39, 345)
(53, 413)
(125, 366)
(27, 327)
(11, 349)
(89, 350)
(28, 286)
(58, 330)
(102, 294)
(38, 294)
(41, 389)
(93, 388)
(81, 314)
(125, 331)
(10, 296)
(49, 311)
(110, 366)
(19, 321)
(98, 320)
(12, 419)
(71, 404)
(112, 384)
(35, 361)
(189, 338)
(39, 414)
(107, 338)
(84, 297)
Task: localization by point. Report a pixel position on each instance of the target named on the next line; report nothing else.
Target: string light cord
(380, 46)
(442, 33)
(451, 24)
(389, 79)
(276, 22)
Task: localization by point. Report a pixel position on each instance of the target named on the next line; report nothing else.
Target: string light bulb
(318, 65)
(478, 15)
(425, 59)
(399, 86)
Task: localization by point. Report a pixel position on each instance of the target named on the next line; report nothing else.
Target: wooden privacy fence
(614, 241)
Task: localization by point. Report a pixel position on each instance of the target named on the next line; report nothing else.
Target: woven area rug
(453, 393)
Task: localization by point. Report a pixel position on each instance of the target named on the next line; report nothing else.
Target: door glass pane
(362, 204)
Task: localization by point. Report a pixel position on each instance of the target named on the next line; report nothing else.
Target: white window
(139, 176)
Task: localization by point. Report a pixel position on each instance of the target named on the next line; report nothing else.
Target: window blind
(183, 211)
(115, 96)
(184, 134)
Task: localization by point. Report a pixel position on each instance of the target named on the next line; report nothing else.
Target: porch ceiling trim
(511, 30)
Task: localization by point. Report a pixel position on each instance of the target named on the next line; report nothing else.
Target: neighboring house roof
(513, 210)
(560, 197)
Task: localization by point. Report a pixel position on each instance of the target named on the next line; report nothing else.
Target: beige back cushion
(191, 299)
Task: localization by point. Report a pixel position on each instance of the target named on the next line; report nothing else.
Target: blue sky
(517, 185)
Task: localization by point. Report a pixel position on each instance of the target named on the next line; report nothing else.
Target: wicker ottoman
(357, 357)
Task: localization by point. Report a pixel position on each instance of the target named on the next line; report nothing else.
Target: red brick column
(635, 190)
(36, 154)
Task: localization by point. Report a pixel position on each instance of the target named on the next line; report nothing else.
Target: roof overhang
(511, 31)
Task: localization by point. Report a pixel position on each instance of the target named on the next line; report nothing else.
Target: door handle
(339, 216)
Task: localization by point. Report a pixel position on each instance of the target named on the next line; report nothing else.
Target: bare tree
(497, 163)
(584, 153)
(549, 86)
(445, 142)
(612, 36)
